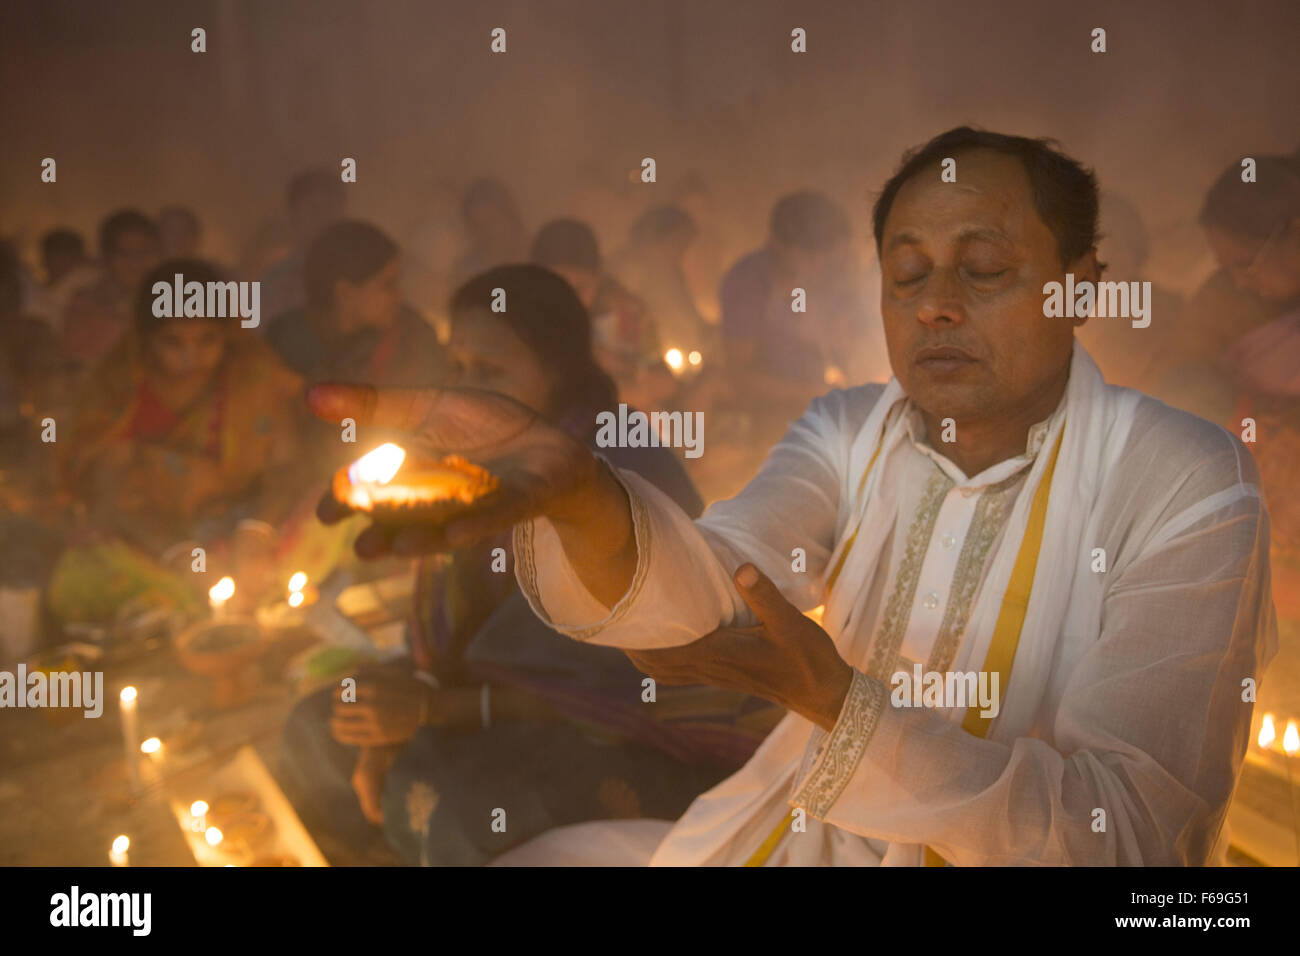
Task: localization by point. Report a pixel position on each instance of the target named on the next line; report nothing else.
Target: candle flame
(377, 467)
(212, 835)
(198, 808)
(128, 695)
(298, 581)
(1291, 739)
(152, 745)
(121, 844)
(1267, 733)
(295, 599)
(222, 591)
(673, 359)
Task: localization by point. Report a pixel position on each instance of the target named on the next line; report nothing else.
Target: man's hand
(543, 472)
(541, 469)
(786, 659)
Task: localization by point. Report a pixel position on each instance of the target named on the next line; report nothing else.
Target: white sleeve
(682, 588)
(1151, 730)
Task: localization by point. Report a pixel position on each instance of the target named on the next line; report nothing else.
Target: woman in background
(493, 710)
(186, 436)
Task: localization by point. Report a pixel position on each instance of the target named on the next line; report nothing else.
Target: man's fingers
(765, 599)
(330, 510)
(405, 409)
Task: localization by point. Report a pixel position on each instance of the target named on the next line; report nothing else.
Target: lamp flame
(673, 359)
(377, 467)
(222, 591)
(1291, 739)
(1267, 733)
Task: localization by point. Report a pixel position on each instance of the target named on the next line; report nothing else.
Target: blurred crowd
(129, 440)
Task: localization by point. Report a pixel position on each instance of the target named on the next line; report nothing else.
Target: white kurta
(1126, 691)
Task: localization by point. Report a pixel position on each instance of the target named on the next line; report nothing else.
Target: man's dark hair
(1065, 191)
(809, 220)
(1255, 210)
(121, 223)
(349, 249)
(566, 243)
(62, 242)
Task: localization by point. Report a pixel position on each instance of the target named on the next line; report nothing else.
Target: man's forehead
(991, 199)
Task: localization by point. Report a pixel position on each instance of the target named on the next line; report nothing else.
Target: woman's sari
(148, 478)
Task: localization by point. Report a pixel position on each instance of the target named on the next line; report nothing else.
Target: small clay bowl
(423, 489)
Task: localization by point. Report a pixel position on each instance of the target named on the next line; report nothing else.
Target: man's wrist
(832, 694)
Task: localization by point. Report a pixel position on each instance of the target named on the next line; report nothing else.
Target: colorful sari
(148, 478)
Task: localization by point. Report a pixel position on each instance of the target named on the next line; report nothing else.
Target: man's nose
(940, 302)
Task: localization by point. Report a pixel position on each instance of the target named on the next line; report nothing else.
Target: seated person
(354, 327)
(185, 436)
(100, 313)
(1075, 575)
(625, 338)
(493, 709)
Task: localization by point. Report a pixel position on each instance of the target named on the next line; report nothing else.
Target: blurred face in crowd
(1269, 268)
(316, 209)
(187, 349)
(584, 282)
(964, 264)
(814, 267)
(372, 302)
(492, 226)
(491, 356)
(180, 237)
(59, 264)
(133, 257)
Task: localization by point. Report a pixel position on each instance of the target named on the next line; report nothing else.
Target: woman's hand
(368, 780)
(389, 709)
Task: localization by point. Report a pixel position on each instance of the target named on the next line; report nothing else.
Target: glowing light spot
(379, 466)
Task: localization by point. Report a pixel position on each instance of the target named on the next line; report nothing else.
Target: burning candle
(297, 582)
(213, 835)
(219, 594)
(1291, 739)
(199, 816)
(1266, 733)
(118, 854)
(673, 359)
(130, 734)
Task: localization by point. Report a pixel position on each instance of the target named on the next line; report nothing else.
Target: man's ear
(1086, 268)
